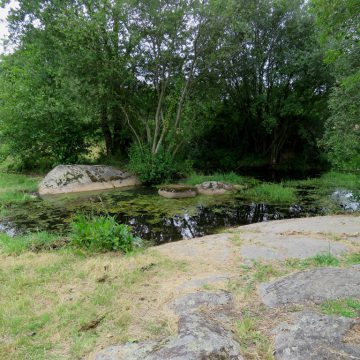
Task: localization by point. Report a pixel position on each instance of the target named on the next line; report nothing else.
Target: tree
(274, 84)
(339, 25)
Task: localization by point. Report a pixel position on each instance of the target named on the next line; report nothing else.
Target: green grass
(345, 307)
(15, 188)
(47, 299)
(252, 340)
(326, 259)
(270, 193)
(330, 181)
(230, 178)
(30, 242)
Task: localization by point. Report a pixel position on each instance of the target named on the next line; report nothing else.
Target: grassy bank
(230, 178)
(59, 305)
(330, 181)
(16, 188)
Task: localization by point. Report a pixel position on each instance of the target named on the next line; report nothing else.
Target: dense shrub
(155, 168)
(100, 234)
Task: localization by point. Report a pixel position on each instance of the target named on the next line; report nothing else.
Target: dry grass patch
(62, 306)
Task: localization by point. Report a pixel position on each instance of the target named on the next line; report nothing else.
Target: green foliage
(270, 193)
(155, 168)
(338, 22)
(97, 72)
(41, 120)
(101, 234)
(347, 307)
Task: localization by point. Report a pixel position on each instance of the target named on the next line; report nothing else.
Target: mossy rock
(177, 191)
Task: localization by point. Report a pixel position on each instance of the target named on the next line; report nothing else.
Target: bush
(155, 168)
(101, 234)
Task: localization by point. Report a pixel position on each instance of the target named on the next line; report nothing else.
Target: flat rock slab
(212, 249)
(191, 302)
(76, 178)
(318, 224)
(200, 335)
(280, 247)
(317, 337)
(204, 281)
(315, 286)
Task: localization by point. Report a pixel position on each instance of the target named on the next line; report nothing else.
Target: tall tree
(339, 24)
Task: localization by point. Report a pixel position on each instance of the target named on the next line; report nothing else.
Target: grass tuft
(252, 340)
(346, 307)
(270, 193)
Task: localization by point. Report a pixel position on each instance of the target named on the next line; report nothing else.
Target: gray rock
(315, 337)
(346, 199)
(75, 178)
(213, 188)
(191, 302)
(280, 247)
(200, 282)
(312, 286)
(201, 335)
(177, 191)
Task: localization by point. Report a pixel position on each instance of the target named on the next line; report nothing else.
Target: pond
(163, 220)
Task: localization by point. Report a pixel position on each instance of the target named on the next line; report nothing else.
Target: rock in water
(76, 178)
(317, 337)
(214, 188)
(177, 191)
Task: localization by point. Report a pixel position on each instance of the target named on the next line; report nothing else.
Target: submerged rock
(317, 337)
(201, 334)
(214, 188)
(76, 178)
(177, 191)
(316, 286)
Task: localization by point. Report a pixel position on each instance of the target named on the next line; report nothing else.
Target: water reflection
(162, 220)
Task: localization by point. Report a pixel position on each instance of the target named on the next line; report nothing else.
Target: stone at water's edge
(317, 337)
(77, 178)
(177, 191)
(214, 188)
(315, 286)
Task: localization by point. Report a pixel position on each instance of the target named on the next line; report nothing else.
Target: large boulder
(76, 178)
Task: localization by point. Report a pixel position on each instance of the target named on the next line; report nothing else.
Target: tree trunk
(106, 130)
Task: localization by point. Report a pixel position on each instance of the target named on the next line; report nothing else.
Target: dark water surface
(158, 219)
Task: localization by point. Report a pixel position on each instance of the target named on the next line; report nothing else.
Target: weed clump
(101, 234)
